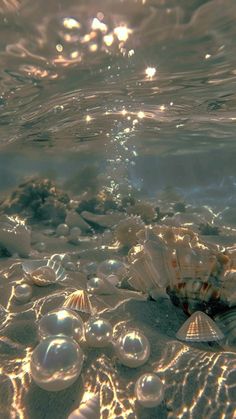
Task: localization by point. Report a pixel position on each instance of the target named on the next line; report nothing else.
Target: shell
(199, 328)
(44, 272)
(104, 220)
(73, 219)
(15, 236)
(79, 301)
(126, 231)
(227, 323)
(87, 410)
(144, 209)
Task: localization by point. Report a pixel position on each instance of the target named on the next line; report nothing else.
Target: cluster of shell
(196, 275)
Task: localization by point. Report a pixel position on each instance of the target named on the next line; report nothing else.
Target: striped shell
(79, 301)
(227, 322)
(87, 410)
(44, 272)
(199, 328)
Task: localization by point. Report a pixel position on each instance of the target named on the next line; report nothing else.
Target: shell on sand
(15, 236)
(199, 328)
(87, 410)
(79, 301)
(45, 271)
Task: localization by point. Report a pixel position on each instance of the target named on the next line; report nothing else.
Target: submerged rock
(37, 200)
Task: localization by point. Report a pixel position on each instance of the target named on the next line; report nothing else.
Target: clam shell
(199, 328)
(87, 410)
(44, 272)
(79, 301)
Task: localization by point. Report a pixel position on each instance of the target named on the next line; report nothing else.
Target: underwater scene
(117, 209)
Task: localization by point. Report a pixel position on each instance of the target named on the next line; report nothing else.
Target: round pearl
(96, 285)
(132, 348)
(61, 322)
(149, 390)
(111, 267)
(62, 230)
(56, 363)
(23, 293)
(98, 332)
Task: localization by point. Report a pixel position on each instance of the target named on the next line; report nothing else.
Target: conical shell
(87, 410)
(79, 301)
(199, 328)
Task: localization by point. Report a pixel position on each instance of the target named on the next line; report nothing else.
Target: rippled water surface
(142, 89)
(124, 96)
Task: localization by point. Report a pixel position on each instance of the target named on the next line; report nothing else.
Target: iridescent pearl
(61, 322)
(132, 348)
(149, 390)
(100, 286)
(62, 230)
(23, 293)
(56, 363)
(111, 267)
(98, 332)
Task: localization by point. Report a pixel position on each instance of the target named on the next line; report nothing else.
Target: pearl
(98, 332)
(23, 293)
(56, 363)
(100, 286)
(62, 230)
(149, 390)
(61, 322)
(132, 348)
(111, 267)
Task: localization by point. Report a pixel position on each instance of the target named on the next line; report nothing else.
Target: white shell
(15, 236)
(87, 410)
(45, 271)
(79, 301)
(199, 328)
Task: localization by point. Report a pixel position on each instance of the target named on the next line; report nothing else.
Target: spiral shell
(199, 328)
(87, 410)
(79, 301)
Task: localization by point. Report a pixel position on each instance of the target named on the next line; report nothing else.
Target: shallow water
(131, 97)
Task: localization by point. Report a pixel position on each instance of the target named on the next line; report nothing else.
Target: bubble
(23, 293)
(149, 390)
(61, 322)
(98, 332)
(111, 267)
(56, 363)
(132, 348)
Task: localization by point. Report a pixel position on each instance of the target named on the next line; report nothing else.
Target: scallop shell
(44, 272)
(199, 328)
(15, 236)
(79, 301)
(126, 231)
(227, 322)
(87, 410)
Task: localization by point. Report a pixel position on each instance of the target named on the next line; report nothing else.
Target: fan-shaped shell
(199, 328)
(79, 301)
(44, 272)
(87, 410)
